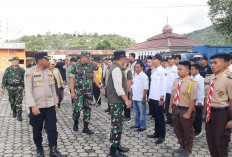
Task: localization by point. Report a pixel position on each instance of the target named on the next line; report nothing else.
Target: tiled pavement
(16, 137)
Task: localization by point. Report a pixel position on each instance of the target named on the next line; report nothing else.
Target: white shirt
(158, 85)
(117, 80)
(172, 76)
(230, 67)
(139, 84)
(201, 92)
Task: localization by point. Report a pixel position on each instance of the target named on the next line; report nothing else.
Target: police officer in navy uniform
(205, 68)
(41, 98)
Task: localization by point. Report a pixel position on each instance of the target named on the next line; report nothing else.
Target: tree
(221, 16)
(105, 45)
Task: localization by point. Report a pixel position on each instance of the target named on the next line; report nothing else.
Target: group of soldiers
(171, 90)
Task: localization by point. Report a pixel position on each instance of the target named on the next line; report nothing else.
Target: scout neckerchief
(209, 100)
(177, 96)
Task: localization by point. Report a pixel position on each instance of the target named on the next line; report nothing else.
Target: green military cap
(86, 54)
(14, 58)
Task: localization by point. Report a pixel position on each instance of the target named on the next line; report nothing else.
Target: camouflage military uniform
(83, 86)
(13, 81)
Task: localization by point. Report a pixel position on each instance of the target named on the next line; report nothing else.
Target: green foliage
(65, 41)
(221, 16)
(209, 36)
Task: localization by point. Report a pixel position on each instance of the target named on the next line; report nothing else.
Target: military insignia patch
(28, 75)
(221, 94)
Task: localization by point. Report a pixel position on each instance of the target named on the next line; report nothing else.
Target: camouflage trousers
(116, 124)
(15, 99)
(83, 102)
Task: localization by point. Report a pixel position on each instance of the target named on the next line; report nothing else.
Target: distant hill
(208, 36)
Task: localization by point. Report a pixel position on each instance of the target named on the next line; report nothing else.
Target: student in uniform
(148, 73)
(200, 101)
(177, 60)
(165, 63)
(157, 94)
(172, 71)
(218, 111)
(182, 106)
(138, 97)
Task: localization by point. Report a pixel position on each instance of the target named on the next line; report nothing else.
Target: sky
(136, 19)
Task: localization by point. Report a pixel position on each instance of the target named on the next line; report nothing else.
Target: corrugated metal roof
(78, 52)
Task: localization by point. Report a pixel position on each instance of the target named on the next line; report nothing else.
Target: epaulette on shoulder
(229, 76)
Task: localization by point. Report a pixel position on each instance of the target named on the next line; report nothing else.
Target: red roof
(165, 40)
(78, 52)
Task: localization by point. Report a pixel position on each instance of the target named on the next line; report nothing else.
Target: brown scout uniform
(218, 137)
(183, 128)
(207, 82)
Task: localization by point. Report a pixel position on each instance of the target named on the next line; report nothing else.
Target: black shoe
(115, 153)
(122, 149)
(152, 136)
(40, 152)
(141, 129)
(159, 141)
(14, 114)
(86, 130)
(75, 126)
(168, 122)
(19, 117)
(134, 126)
(54, 152)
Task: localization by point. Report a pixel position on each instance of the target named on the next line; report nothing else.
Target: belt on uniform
(14, 85)
(219, 108)
(181, 107)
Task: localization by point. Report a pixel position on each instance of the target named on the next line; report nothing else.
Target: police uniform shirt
(139, 84)
(185, 97)
(201, 91)
(40, 88)
(222, 90)
(172, 76)
(158, 85)
(230, 67)
(205, 70)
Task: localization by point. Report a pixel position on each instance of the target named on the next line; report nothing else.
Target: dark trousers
(183, 128)
(158, 114)
(217, 136)
(96, 93)
(198, 119)
(127, 112)
(167, 102)
(149, 105)
(47, 116)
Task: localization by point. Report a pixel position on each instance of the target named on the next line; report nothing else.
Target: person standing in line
(109, 64)
(59, 83)
(132, 62)
(199, 106)
(182, 106)
(13, 81)
(157, 94)
(138, 97)
(172, 71)
(165, 63)
(104, 69)
(148, 73)
(192, 61)
(205, 68)
(60, 66)
(178, 59)
(227, 64)
(128, 74)
(230, 67)
(117, 96)
(218, 108)
(98, 74)
(41, 98)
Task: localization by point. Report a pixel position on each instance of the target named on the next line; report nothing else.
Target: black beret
(118, 54)
(172, 57)
(73, 59)
(41, 55)
(157, 56)
(149, 57)
(165, 59)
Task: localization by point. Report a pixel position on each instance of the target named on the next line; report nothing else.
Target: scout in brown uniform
(182, 104)
(227, 63)
(220, 96)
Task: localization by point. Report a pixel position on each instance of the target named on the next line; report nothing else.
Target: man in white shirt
(172, 71)
(138, 95)
(157, 94)
(195, 72)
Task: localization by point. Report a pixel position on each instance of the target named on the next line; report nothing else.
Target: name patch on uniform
(28, 75)
(221, 94)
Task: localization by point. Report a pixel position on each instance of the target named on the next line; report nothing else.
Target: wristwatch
(161, 99)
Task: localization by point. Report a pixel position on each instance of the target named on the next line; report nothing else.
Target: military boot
(55, 153)
(75, 126)
(19, 117)
(14, 114)
(115, 153)
(40, 152)
(86, 129)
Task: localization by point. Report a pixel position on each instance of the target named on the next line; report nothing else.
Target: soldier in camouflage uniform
(81, 90)
(13, 81)
(117, 95)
